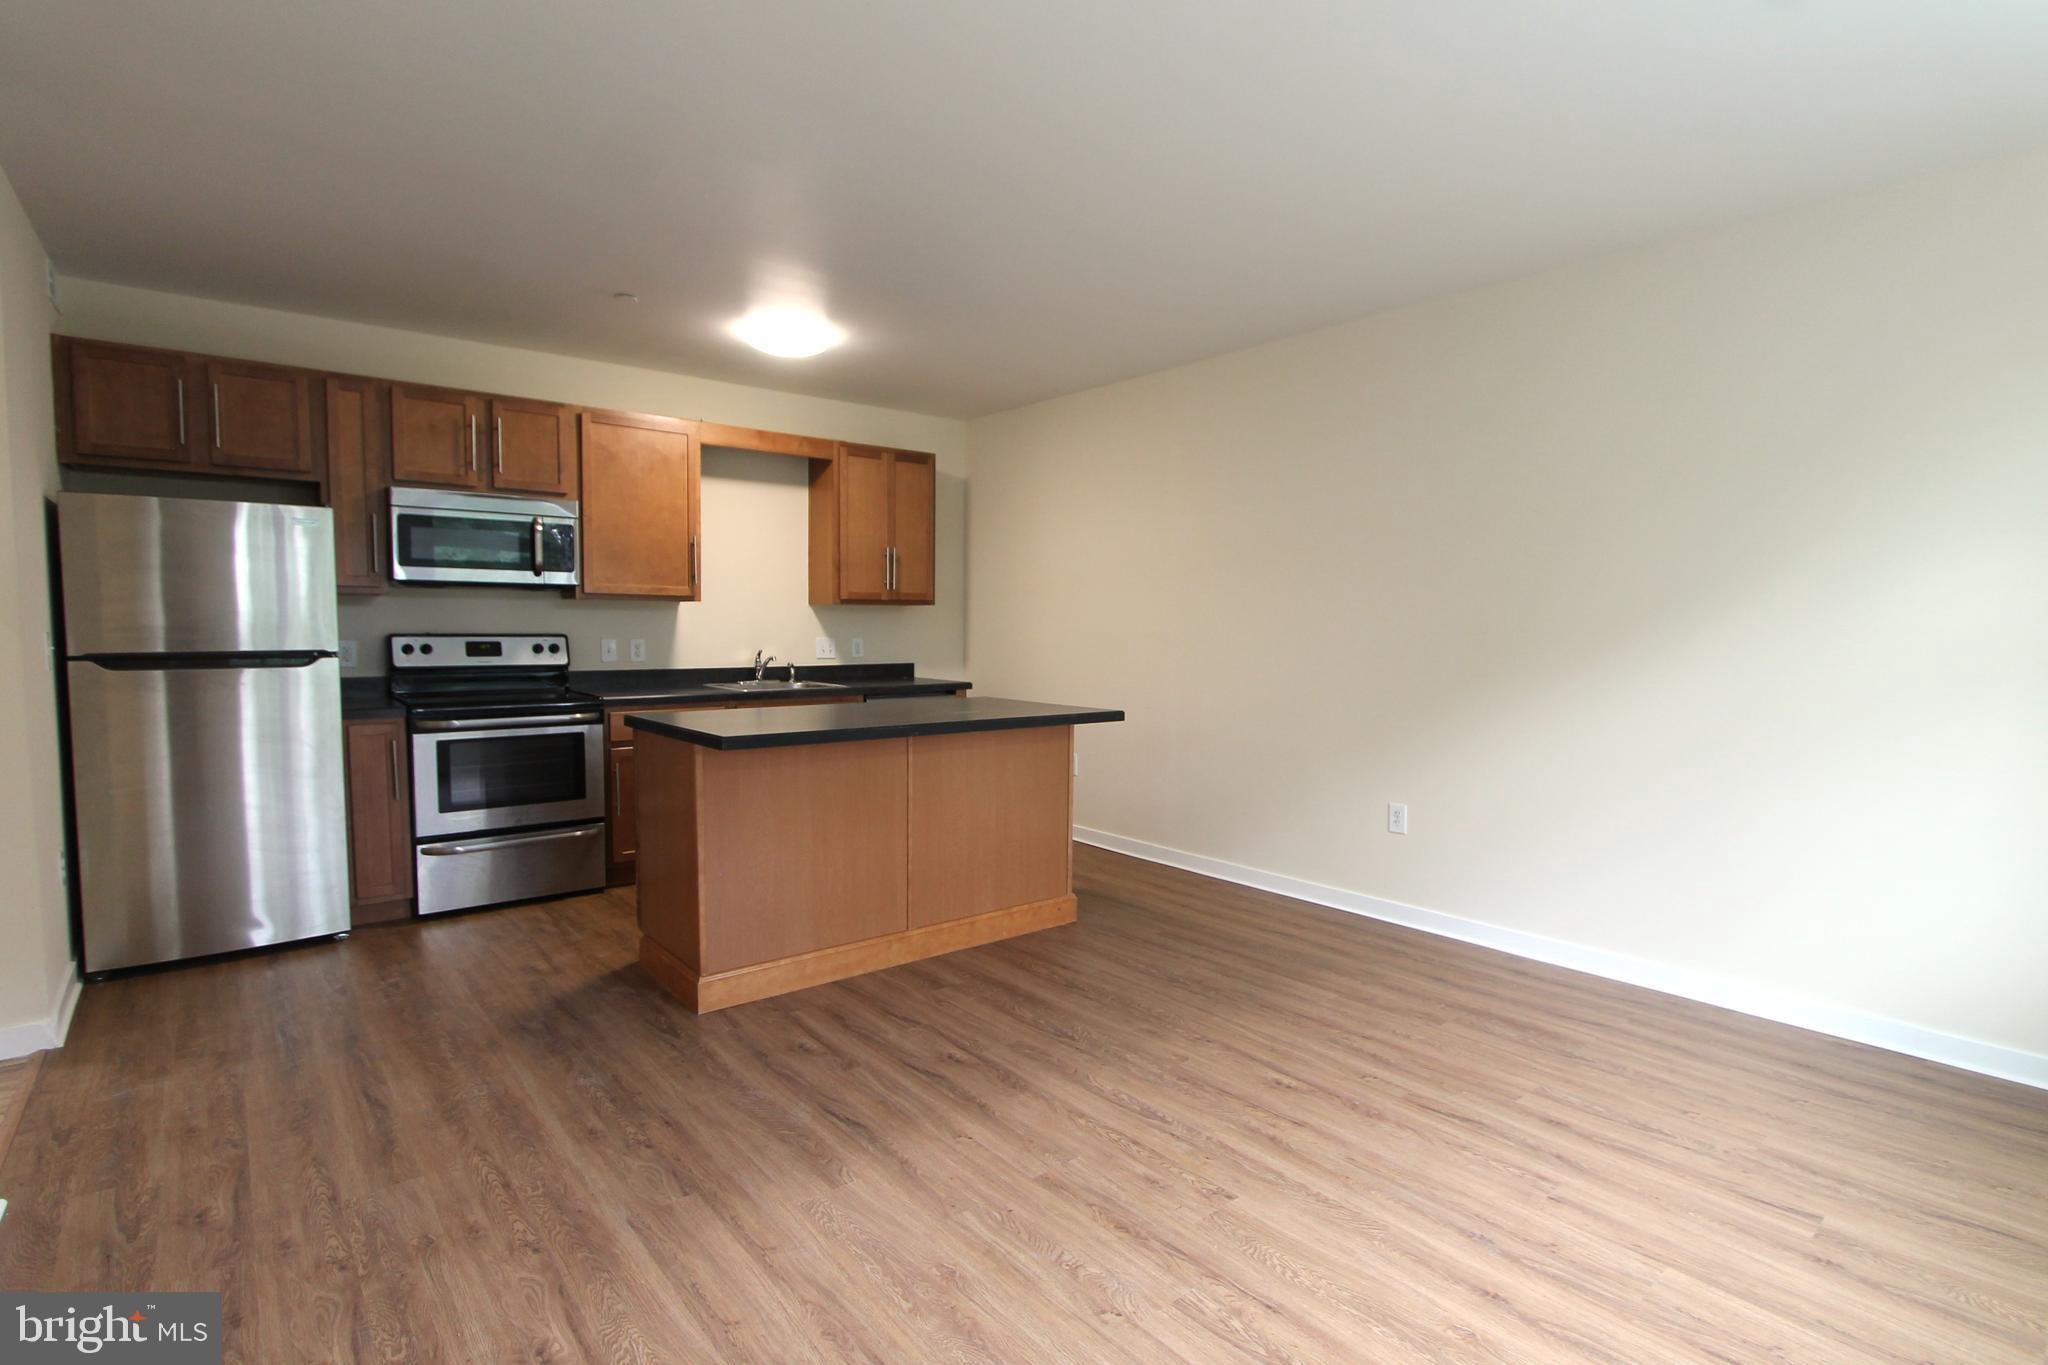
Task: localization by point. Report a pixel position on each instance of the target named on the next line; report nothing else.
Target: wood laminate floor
(1202, 1124)
(17, 1077)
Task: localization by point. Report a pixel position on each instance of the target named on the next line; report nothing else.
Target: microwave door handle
(537, 555)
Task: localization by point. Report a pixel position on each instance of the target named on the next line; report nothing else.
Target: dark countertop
(777, 727)
(368, 699)
(617, 687)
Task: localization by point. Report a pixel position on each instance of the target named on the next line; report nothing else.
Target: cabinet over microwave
(482, 538)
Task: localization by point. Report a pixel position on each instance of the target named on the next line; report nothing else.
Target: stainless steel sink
(778, 685)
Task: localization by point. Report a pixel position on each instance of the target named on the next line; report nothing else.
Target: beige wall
(756, 507)
(1695, 600)
(35, 937)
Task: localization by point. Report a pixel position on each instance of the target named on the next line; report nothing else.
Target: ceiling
(1000, 201)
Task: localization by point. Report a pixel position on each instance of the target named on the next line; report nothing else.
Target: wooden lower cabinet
(991, 822)
(621, 804)
(771, 870)
(619, 824)
(379, 820)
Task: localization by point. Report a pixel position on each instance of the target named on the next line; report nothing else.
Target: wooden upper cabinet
(641, 485)
(355, 429)
(450, 439)
(863, 524)
(130, 407)
(125, 405)
(913, 522)
(436, 437)
(258, 418)
(533, 447)
(873, 517)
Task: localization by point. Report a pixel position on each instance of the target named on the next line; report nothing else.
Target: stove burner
(456, 677)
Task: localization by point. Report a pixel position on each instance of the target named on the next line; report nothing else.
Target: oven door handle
(449, 850)
(428, 727)
(538, 556)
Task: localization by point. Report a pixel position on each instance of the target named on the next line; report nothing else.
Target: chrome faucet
(761, 662)
(792, 675)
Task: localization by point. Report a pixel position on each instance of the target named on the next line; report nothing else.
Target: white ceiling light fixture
(791, 333)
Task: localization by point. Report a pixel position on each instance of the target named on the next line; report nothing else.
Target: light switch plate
(608, 651)
(826, 648)
(637, 651)
(857, 649)
(347, 653)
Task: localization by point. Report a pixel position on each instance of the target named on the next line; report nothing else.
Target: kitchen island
(789, 847)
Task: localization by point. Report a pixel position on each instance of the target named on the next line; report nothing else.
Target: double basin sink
(758, 685)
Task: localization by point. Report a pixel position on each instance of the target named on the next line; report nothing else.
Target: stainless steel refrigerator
(204, 701)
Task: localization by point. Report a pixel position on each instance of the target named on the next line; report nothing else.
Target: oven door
(471, 776)
(471, 545)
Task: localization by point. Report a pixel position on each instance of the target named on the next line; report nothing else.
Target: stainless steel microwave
(441, 537)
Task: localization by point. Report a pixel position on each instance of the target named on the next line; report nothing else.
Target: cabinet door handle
(394, 769)
(181, 410)
(498, 461)
(472, 443)
(376, 545)
(696, 568)
(216, 416)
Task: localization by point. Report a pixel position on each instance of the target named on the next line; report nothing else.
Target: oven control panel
(479, 651)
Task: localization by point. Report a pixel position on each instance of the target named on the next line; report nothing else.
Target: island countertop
(896, 718)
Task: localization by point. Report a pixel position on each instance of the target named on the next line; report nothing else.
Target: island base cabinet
(764, 871)
(991, 821)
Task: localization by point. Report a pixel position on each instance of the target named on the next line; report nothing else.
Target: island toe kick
(769, 870)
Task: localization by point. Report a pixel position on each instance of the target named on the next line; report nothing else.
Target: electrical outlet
(827, 649)
(608, 651)
(637, 651)
(347, 653)
(857, 649)
(63, 868)
(1397, 818)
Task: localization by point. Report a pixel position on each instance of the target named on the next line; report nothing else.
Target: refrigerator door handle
(174, 663)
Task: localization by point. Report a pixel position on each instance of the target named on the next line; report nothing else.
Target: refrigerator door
(209, 808)
(188, 576)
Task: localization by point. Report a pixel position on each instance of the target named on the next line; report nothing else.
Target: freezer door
(187, 576)
(209, 807)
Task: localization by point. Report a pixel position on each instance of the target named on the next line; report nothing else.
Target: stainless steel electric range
(507, 769)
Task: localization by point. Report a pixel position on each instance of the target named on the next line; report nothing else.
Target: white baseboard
(19, 1040)
(1764, 1002)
